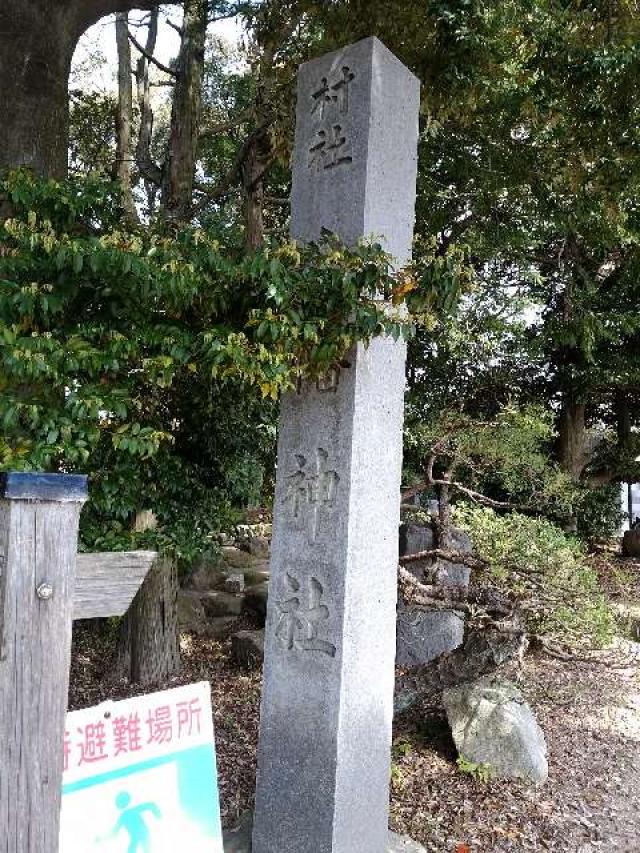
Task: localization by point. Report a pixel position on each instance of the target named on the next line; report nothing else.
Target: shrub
(544, 571)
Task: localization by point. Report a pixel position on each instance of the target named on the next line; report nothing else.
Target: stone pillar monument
(327, 705)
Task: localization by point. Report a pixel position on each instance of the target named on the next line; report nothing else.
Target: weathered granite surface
(493, 725)
(424, 635)
(327, 701)
(239, 840)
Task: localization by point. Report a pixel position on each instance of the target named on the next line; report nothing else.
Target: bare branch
(450, 556)
(175, 27)
(165, 68)
(219, 190)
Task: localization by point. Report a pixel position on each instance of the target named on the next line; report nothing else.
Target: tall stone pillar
(327, 706)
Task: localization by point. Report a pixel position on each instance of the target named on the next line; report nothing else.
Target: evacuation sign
(140, 776)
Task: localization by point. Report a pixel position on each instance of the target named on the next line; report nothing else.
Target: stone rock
(460, 541)
(247, 648)
(451, 574)
(206, 576)
(218, 627)
(415, 538)
(191, 613)
(255, 600)
(257, 576)
(238, 840)
(237, 559)
(221, 604)
(424, 635)
(257, 546)
(234, 583)
(493, 725)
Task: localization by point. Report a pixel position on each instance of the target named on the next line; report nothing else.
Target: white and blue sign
(140, 776)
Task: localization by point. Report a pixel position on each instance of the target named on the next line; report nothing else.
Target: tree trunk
(572, 436)
(623, 419)
(125, 115)
(443, 528)
(149, 169)
(253, 170)
(37, 41)
(148, 647)
(185, 115)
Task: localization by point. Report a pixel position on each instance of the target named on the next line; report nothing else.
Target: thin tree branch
(217, 191)
(165, 68)
(450, 556)
(175, 27)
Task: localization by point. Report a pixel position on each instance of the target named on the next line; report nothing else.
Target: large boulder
(415, 538)
(191, 615)
(257, 546)
(492, 725)
(424, 635)
(207, 575)
(237, 559)
(631, 543)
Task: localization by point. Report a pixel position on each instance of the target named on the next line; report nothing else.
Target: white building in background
(630, 503)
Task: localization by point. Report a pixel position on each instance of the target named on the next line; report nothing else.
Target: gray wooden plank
(107, 583)
(38, 543)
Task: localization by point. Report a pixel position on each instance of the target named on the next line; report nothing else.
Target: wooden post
(38, 543)
(149, 642)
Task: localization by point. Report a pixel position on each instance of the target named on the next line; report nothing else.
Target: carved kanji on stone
(336, 93)
(330, 149)
(310, 492)
(300, 616)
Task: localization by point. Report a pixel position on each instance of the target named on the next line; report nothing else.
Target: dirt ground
(590, 713)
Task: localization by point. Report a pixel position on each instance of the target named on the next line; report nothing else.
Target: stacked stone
(424, 635)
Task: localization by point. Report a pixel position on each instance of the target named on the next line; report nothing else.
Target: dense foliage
(152, 360)
(544, 571)
(122, 344)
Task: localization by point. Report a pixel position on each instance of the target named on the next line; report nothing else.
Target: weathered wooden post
(38, 543)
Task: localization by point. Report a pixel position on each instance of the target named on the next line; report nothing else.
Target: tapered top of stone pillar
(355, 156)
